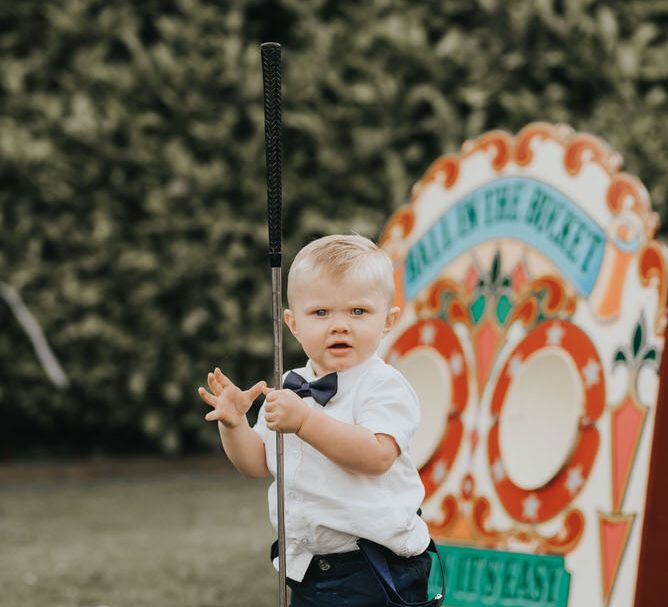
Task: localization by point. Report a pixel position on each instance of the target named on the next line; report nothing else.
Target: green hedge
(132, 198)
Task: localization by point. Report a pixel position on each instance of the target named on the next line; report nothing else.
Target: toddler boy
(348, 420)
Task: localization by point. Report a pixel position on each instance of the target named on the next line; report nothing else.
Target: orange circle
(445, 342)
(539, 505)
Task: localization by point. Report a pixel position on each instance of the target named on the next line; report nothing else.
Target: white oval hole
(429, 375)
(539, 420)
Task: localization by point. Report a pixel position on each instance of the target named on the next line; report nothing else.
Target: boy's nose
(339, 325)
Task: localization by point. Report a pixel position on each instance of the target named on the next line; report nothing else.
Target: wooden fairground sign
(534, 317)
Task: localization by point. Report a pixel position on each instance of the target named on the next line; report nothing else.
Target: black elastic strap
(375, 557)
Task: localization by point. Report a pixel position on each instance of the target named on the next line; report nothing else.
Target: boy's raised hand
(229, 402)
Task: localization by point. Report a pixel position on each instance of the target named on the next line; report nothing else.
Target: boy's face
(339, 323)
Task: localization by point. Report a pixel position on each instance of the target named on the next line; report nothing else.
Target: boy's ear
(289, 319)
(391, 319)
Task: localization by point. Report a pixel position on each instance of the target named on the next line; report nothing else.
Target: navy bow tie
(321, 390)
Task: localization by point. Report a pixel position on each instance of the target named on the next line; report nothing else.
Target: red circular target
(430, 356)
(543, 440)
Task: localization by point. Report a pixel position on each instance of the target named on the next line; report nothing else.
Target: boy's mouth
(339, 346)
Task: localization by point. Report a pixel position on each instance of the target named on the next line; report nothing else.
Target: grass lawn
(133, 534)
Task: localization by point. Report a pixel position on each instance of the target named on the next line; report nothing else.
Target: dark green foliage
(132, 205)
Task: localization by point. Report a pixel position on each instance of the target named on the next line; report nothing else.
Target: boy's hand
(229, 403)
(284, 411)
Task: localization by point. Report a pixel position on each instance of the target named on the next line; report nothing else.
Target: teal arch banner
(523, 209)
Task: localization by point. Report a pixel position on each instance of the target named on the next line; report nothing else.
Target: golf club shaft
(271, 76)
(277, 307)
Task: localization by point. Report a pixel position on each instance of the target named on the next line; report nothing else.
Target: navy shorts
(346, 580)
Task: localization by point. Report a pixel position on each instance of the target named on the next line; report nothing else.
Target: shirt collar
(346, 377)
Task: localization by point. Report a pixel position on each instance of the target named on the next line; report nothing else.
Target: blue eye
(358, 311)
(320, 312)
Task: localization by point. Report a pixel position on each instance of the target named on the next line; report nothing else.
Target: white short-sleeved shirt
(327, 508)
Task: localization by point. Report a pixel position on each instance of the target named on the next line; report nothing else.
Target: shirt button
(324, 565)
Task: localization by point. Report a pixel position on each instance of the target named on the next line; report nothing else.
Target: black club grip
(271, 77)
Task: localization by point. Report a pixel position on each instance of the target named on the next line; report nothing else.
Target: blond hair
(341, 255)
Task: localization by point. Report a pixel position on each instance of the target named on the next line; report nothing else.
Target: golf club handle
(271, 78)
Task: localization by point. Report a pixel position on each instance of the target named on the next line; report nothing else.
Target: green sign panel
(475, 577)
